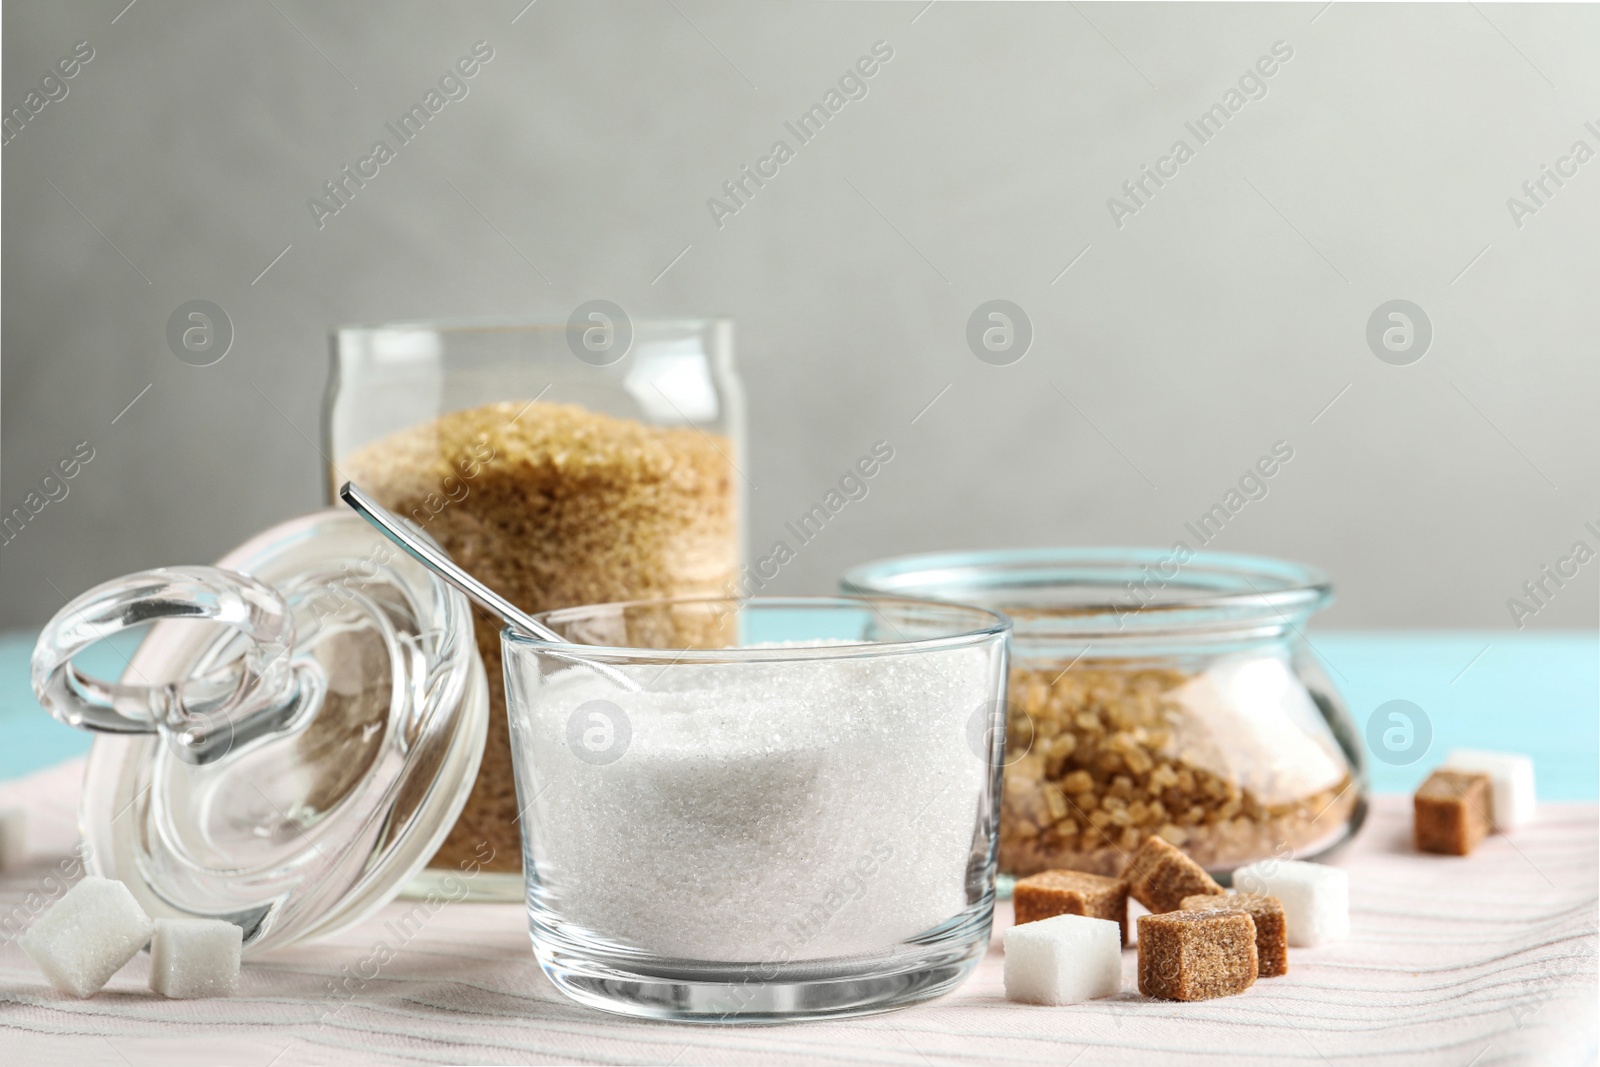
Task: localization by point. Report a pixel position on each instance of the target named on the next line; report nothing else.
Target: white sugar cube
(1315, 897)
(1511, 799)
(1063, 960)
(195, 958)
(87, 936)
(13, 838)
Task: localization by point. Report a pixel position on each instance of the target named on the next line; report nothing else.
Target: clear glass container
(1155, 692)
(762, 809)
(563, 463)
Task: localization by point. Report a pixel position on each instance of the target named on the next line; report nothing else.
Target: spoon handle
(439, 562)
(435, 559)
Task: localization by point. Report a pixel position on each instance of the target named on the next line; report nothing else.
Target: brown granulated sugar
(1104, 753)
(1196, 955)
(1272, 931)
(1159, 876)
(1053, 893)
(554, 506)
(1450, 812)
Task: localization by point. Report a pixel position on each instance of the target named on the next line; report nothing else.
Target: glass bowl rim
(976, 632)
(1284, 587)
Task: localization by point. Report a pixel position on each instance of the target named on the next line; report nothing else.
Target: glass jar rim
(1108, 591)
(966, 624)
(508, 323)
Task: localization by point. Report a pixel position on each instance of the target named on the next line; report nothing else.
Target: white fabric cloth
(1484, 960)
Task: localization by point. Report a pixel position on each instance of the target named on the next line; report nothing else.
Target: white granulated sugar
(195, 958)
(1511, 795)
(87, 936)
(1063, 960)
(760, 812)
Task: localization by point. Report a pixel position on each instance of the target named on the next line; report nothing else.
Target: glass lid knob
(251, 692)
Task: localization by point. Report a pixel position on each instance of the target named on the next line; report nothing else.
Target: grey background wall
(1228, 313)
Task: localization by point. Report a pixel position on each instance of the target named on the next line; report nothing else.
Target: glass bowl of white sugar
(759, 810)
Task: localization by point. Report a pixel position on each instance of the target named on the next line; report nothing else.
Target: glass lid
(292, 740)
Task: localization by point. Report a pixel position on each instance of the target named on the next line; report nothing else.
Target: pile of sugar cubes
(1471, 796)
(98, 926)
(1199, 941)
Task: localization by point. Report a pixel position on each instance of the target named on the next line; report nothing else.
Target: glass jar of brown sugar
(564, 463)
(1156, 693)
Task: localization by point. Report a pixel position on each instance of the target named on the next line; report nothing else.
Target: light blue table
(1535, 694)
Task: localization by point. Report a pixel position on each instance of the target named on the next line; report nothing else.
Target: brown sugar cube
(1053, 893)
(1450, 812)
(1197, 955)
(1159, 876)
(1272, 933)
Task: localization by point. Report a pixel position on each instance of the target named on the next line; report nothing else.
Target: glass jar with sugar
(1156, 693)
(563, 463)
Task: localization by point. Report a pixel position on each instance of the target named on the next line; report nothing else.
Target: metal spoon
(439, 562)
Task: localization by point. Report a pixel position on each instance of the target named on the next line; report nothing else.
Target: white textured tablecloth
(1485, 960)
